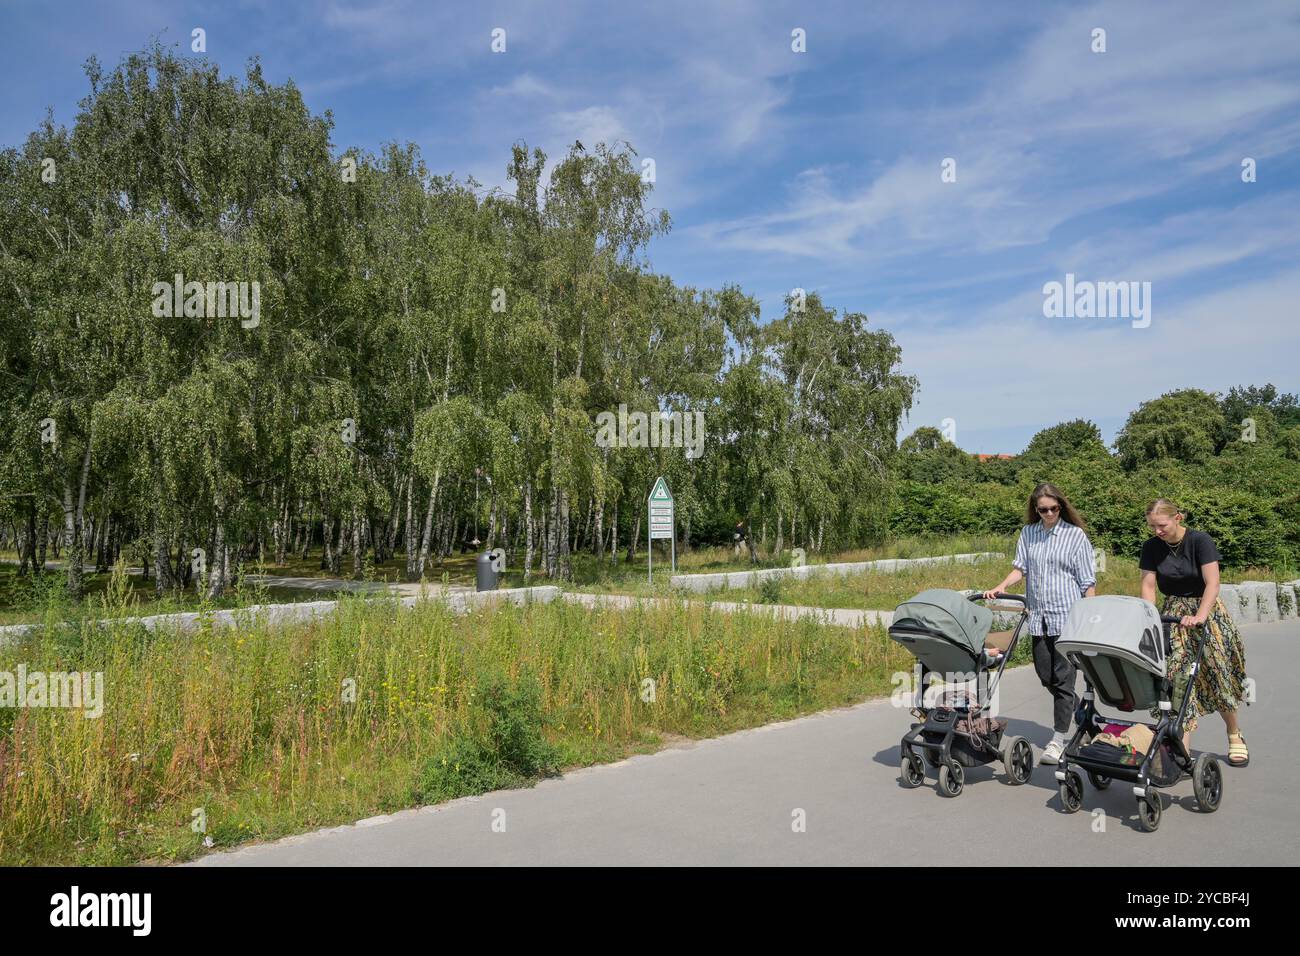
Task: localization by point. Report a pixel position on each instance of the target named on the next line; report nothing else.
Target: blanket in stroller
(1137, 738)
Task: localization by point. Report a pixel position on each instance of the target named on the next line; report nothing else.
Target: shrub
(506, 749)
(770, 589)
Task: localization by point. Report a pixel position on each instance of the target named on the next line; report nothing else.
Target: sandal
(1238, 755)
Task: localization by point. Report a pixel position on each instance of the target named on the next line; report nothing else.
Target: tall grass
(255, 726)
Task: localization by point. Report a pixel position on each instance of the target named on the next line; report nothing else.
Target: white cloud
(592, 125)
(525, 86)
(1013, 370)
(1031, 145)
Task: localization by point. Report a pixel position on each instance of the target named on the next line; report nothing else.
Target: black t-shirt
(1178, 568)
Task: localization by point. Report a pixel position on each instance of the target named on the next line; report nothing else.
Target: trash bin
(487, 577)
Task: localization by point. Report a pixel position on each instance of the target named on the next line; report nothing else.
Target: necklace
(1174, 549)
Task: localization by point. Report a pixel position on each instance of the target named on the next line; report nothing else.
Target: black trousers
(1057, 675)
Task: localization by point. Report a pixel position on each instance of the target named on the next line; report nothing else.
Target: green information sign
(660, 507)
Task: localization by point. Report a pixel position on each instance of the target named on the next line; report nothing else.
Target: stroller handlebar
(1005, 596)
(1001, 596)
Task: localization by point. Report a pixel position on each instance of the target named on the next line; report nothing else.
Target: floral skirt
(1220, 683)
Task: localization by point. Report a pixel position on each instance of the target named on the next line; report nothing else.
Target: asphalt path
(740, 799)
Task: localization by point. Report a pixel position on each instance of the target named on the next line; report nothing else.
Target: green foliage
(1075, 439)
(995, 509)
(1243, 526)
(928, 509)
(1245, 493)
(927, 457)
(770, 590)
(506, 748)
(925, 438)
(1183, 425)
(1243, 402)
(427, 355)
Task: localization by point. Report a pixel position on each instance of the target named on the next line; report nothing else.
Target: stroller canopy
(944, 614)
(1125, 628)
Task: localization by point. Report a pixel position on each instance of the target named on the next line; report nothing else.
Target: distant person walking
(1054, 559)
(1184, 565)
(739, 538)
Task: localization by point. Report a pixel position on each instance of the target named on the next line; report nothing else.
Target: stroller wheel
(1071, 791)
(951, 779)
(1098, 780)
(1149, 809)
(1018, 759)
(1207, 782)
(910, 772)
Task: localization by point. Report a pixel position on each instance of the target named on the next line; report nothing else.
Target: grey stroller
(1120, 644)
(945, 631)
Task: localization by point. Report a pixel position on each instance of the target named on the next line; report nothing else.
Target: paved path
(730, 800)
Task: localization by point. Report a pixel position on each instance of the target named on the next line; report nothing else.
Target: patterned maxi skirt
(1220, 683)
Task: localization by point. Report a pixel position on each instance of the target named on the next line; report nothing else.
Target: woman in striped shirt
(1054, 559)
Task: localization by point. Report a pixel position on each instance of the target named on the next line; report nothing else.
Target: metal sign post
(660, 507)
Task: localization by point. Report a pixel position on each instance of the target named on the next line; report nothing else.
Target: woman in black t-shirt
(1184, 564)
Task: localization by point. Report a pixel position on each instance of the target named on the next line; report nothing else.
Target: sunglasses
(1049, 511)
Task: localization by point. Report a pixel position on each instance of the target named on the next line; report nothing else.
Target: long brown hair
(1049, 490)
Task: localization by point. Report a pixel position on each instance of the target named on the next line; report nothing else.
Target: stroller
(1120, 644)
(945, 631)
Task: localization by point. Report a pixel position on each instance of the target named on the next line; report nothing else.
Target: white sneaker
(1052, 752)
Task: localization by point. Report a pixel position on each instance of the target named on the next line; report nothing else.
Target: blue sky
(821, 169)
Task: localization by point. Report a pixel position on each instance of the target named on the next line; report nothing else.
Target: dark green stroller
(946, 631)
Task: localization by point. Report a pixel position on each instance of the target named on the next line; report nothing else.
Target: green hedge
(1248, 501)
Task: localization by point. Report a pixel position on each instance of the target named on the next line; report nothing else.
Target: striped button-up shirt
(1058, 568)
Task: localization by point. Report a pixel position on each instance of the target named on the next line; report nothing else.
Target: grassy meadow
(255, 725)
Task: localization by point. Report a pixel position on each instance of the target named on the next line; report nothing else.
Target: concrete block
(1286, 601)
(1240, 604)
(1263, 595)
